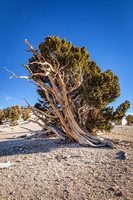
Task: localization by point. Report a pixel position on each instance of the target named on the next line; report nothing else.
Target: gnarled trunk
(82, 136)
(61, 102)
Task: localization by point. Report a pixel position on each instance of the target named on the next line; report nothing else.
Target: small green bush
(26, 114)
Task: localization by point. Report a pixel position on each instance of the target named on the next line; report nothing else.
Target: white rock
(5, 165)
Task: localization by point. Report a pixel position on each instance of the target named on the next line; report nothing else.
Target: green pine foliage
(14, 116)
(12, 113)
(118, 114)
(26, 114)
(8, 113)
(129, 119)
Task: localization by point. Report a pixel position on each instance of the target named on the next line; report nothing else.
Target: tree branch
(14, 76)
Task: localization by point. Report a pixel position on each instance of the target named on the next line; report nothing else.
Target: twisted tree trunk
(62, 105)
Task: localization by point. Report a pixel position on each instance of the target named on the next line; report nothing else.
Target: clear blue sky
(105, 27)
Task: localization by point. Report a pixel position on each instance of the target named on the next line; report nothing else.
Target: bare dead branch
(76, 98)
(39, 74)
(46, 114)
(58, 64)
(82, 107)
(33, 110)
(35, 52)
(80, 80)
(14, 76)
(33, 83)
(44, 64)
(42, 125)
(64, 66)
(27, 68)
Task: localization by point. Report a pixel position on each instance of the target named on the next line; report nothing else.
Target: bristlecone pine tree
(129, 119)
(26, 114)
(14, 116)
(74, 92)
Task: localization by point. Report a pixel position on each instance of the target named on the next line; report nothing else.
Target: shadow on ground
(33, 145)
(27, 146)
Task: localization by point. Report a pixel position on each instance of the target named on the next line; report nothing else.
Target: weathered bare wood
(14, 76)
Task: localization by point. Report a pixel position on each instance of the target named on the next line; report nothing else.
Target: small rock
(5, 165)
(122, 155)
(119, 194)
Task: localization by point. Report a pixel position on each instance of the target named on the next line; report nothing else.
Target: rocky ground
(45, 168)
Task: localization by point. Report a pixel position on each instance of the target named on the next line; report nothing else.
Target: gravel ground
(46, 169)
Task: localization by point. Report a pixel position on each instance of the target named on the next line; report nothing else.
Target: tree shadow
(22, 146)
(31, 146)
(28, 129)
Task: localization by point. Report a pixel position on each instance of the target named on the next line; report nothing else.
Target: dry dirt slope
(121, 133)
(45, 168)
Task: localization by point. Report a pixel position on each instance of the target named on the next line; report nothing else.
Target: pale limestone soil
(121, 133)
(47, 169)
